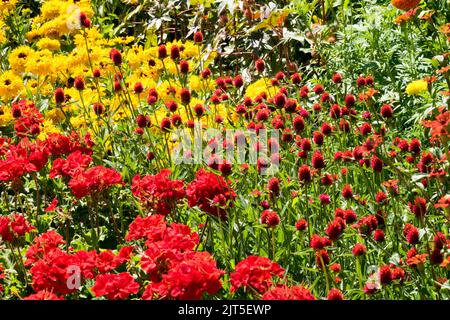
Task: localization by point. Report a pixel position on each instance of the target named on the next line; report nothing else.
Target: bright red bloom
(283, 292)
(255, 272)
(158, 191)
(115, 286)
(335, 294)
(359, 249)
(270, 218)
(190, 278)
(43, 295)
(75, 164)
(385, 275)
(93, 181)
(211, 193)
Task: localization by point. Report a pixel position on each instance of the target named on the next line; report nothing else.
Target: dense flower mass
(299, 155)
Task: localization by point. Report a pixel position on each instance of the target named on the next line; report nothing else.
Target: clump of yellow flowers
(416, 87)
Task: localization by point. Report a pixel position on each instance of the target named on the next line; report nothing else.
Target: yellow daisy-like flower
(10, 85)
(47, 128)
(55, 115)
(416, 87)
(6, 117)
(262, 85)
(50, 44)
(19, 57)
(40, 63)
(2, 32)
(6, 5)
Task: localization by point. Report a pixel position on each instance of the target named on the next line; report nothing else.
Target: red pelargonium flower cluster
(256, 273)
(176, 271)
(211, 193)
(75, 164)
(12, 228)
(283, 292)
(115, 286)
(93, 181)
(23, 158)
(158, 191)
(51, 267)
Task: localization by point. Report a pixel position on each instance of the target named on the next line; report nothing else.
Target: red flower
(210, 192)
(255, 272)
(359, 249)
(43, 295)
(195, 274)
(75, 164)
(304, 173)
(317, 160)
(270, 218)
(115, 56)
(347, 192)
(283, 292)
(335, 294)
(158, 191)
(115, 286)
(93, 181)
(198, 37)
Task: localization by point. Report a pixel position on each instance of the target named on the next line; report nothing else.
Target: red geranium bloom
(93, 181)
(283, 292)
(43, 295)
(158, 191)
(115, 286)
(211, 193)
(255, 272)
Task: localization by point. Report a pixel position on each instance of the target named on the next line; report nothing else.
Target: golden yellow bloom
(19, 57)
(6, 117)
(2, 32)
(10, 85)
(47, 128)
(40, 63)
(416, 87)
(50, 44)
(55, 115)
(6, 5)
(262, 85)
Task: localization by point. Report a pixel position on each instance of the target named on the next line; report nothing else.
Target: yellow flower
(10, 85)
(50, 44)
(47, 128)
(262, 85)
(55, 115)
(19, 57)
(6, 5)
(5, 116)
(2, 32)
(416, 87)
(40, 63)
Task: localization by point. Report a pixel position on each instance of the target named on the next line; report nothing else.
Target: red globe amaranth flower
(419, 207)
(385, 275)
(260, 65)
(84, 20)
(158, 192)
(79, 83)
(301, 225)
(359, 249)
(378, 235)
(174, 52)
(337, 78)
(270, 218)
(198, 37)
(386, 111)
(185, 95)
(296, 78)
(317, 160)
(335, 294)
(347, 192)
(115, 56)
(411, 233)
(304, 173)
(256, 273)
(162, 52)
(211, 193)
(115, 286)
(60, 97)
(283, 292)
